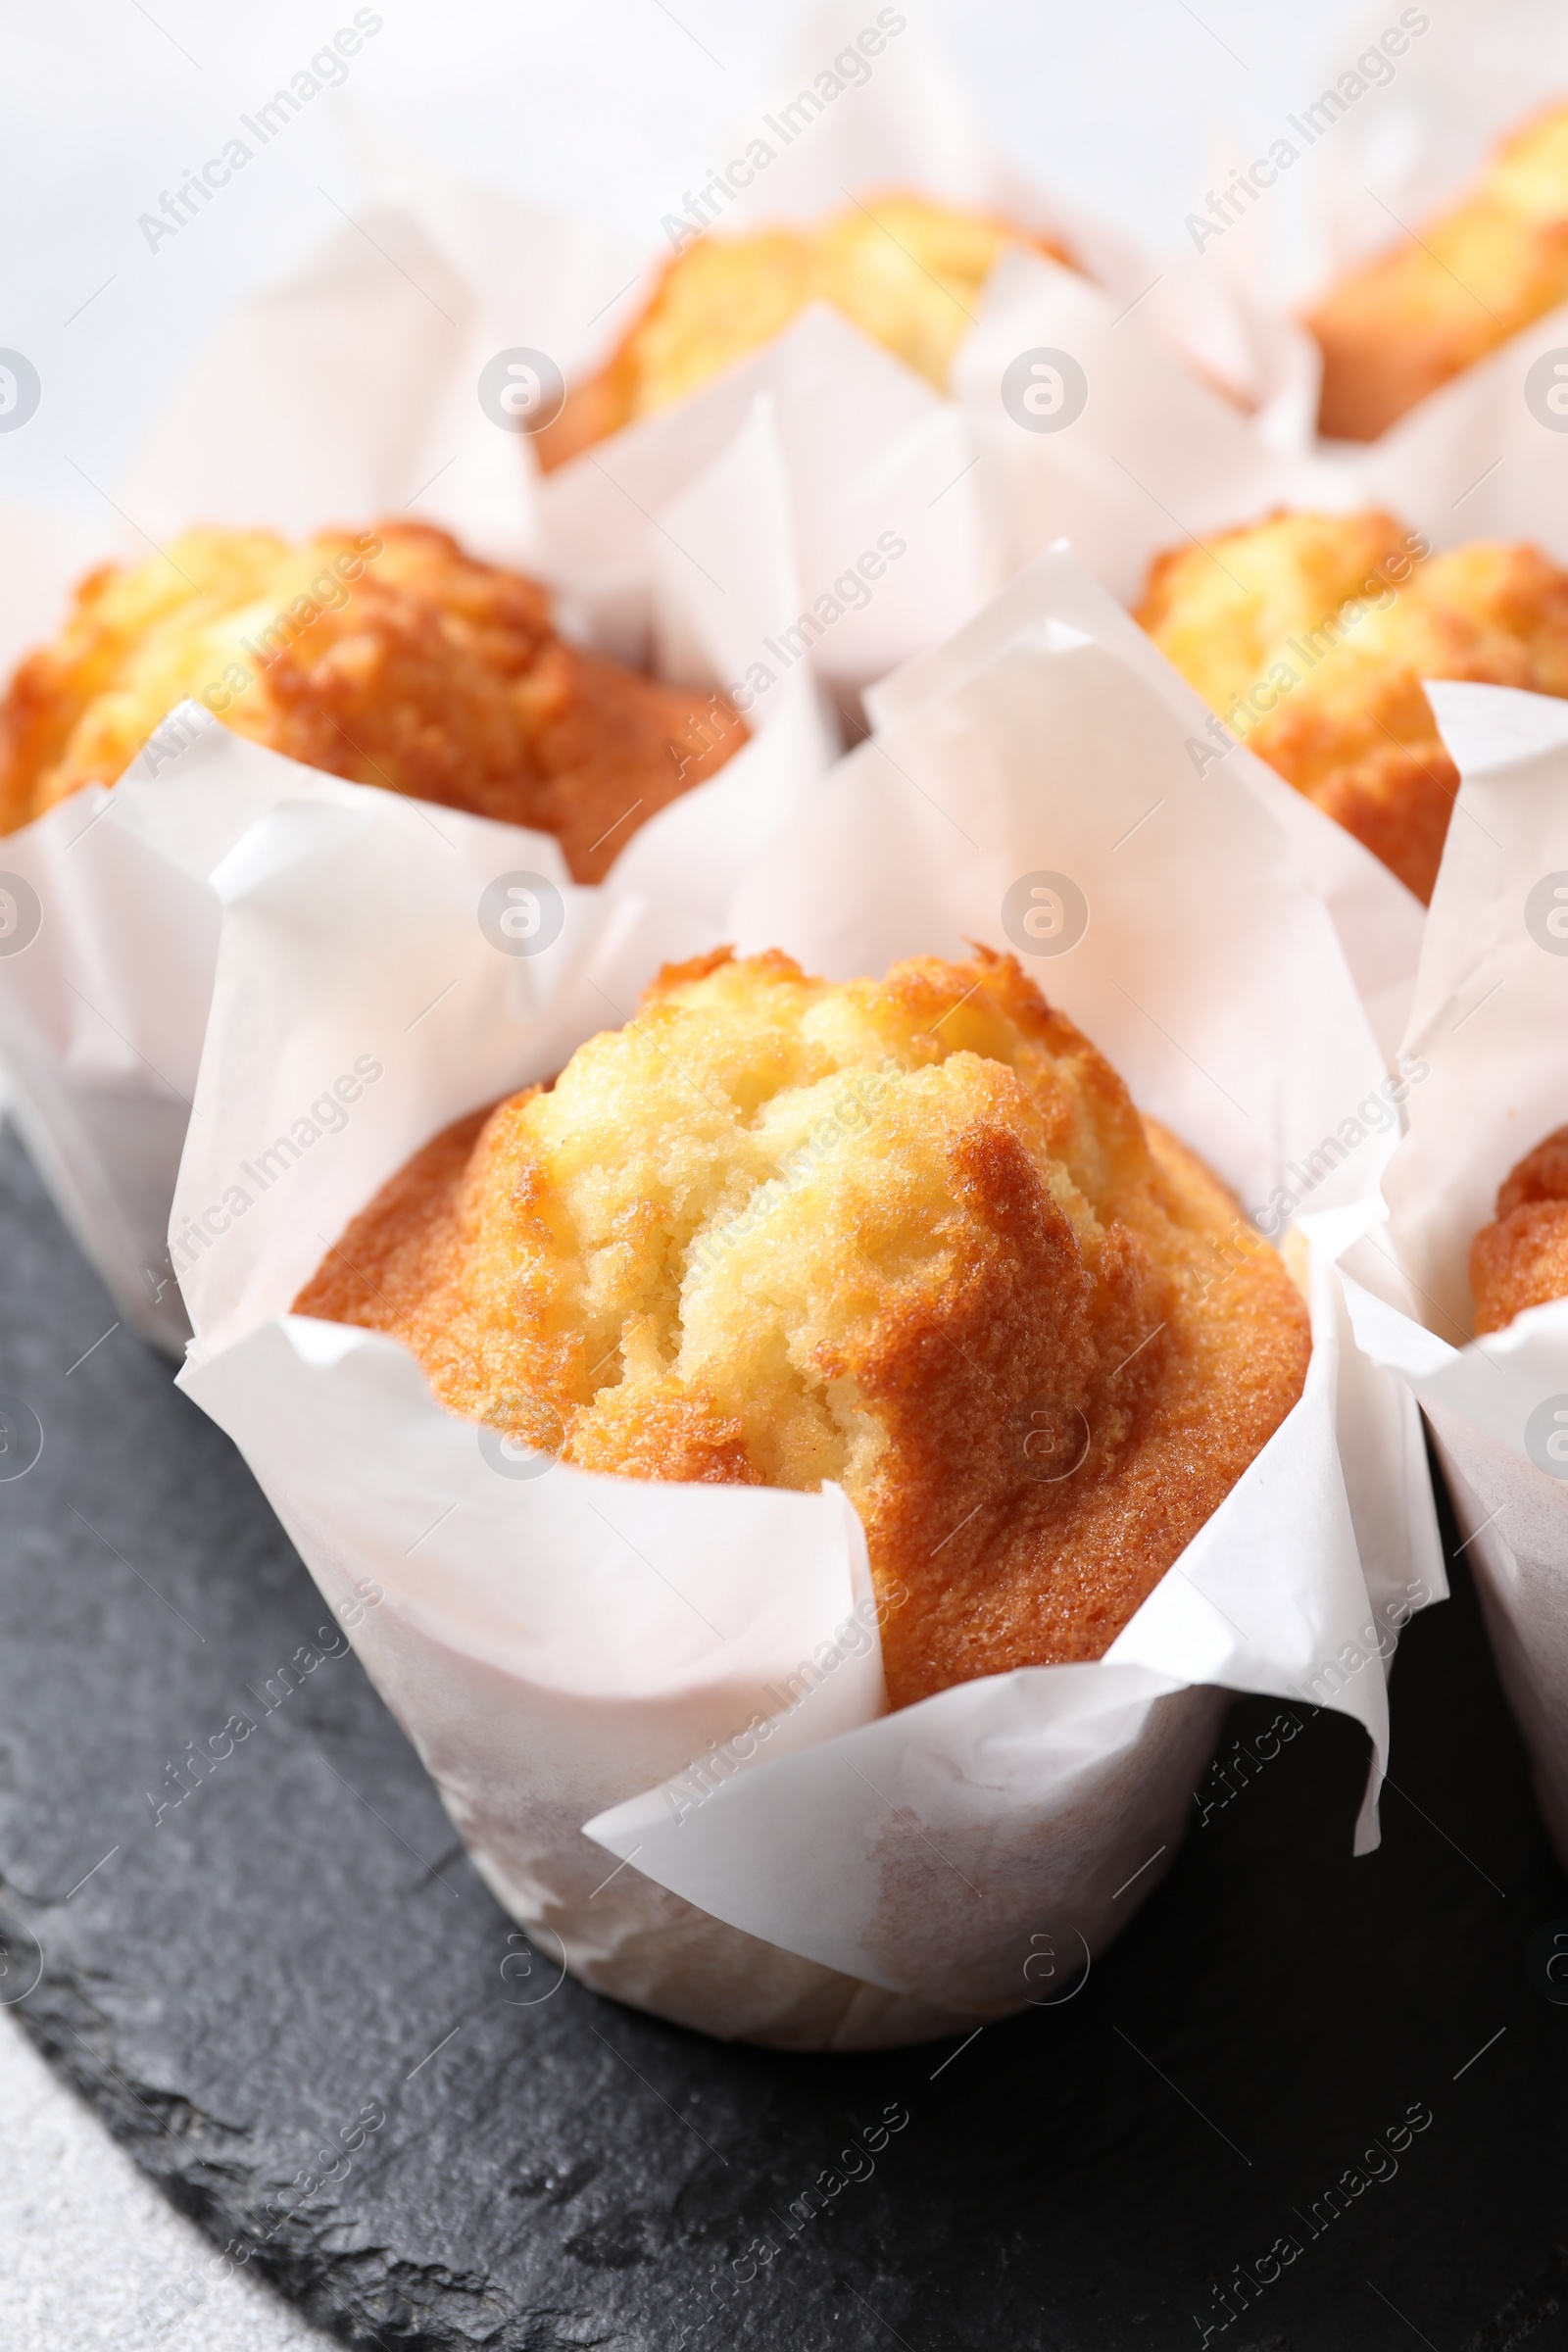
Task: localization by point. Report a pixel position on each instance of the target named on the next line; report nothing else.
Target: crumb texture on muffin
(1417, 314)
(387, 657)
(912, 1236)
(1521, 1259)
(907, 272)
(1309, 635)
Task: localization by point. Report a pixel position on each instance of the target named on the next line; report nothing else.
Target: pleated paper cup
(110, 902)
(656, 1712)
(350, 386)
(1487, 1029)
(1134, 440)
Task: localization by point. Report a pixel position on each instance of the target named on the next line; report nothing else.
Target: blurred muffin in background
(387, 657)
(909, 272)
(1521, 1259)
(1309, 635)
(1410, 320)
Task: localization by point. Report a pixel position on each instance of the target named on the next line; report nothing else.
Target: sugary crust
(1310, 634)
(389, 658)
(1521, 1259)
(912, 1236)
(907, 272)
(1542, 1175)
(1460, 285)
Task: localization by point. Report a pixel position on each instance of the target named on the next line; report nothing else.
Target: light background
(607, 108)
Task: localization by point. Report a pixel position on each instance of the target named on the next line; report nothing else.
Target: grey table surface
(91, 2255)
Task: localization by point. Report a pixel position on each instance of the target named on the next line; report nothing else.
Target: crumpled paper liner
(1201, 385)
(1489, 1019)
(350, 373)
(1155, 457)
(1158, 456)
(102, 1010)
(1378, 923)
(569, 1650)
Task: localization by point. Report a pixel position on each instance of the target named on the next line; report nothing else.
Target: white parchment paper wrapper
(1158, 456)
(355, 382)
(1058, 604)
(569, 1650)
(1491, 1017)
(1155, 457)
(109, 921)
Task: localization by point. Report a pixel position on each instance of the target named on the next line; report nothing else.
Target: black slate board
(300, 1948)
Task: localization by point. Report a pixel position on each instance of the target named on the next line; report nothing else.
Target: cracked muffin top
(1451, 290)
(907, 272)
(387, 657)
(1309, 635)
(909, 1235)
(1521, 1259)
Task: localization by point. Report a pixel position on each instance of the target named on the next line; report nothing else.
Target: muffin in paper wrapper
(1161, 450)
(1180, 399)
(1178, 396)
(656, 1712)
(346, 369)
(1490, 1020)
(350, 386)
(109, 914)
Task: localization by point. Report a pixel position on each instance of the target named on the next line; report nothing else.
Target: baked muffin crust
(1521, 1259)
(907, 272)
(1309, 635)
(387, 657)
(912, 1236)
(1416, 315)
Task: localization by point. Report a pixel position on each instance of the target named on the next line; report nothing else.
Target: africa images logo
(1546, 1437)
(521, 390)
(1546, 913)
(1045, 914)
(522, 913)
(1045, 390)
(1546, 390)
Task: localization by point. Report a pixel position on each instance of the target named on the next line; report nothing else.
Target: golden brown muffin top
(1401, 324)
(907, 272)
(1521, 1259)
(912, 1236)
(1309, 635)
(388, 657)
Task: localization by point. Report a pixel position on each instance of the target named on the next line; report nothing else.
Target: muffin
(910, 1236)
(387, 657)
(907, 272)
(1309, 636)
(1408, 320)
(1521, 1259)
